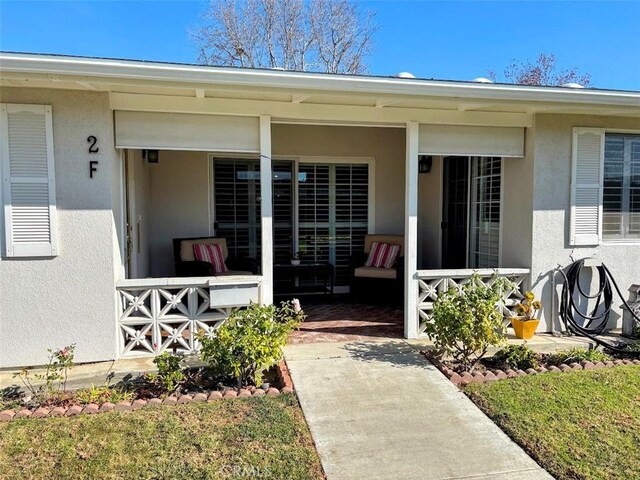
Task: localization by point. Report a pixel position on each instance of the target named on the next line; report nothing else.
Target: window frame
(622, 241)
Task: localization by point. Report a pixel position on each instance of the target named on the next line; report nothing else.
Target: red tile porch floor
(341, 322)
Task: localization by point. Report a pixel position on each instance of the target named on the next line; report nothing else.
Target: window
(324, 215)
(471, 212)
(28, 181)
(333, 213)
(484, 207)
(621, 188)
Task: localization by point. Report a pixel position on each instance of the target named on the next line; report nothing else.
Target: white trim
(302, 82)
(440, 208)
(122, 237)
(501, 220)
(313, 112)
(411, 318)
(266, 209)
(469, 193)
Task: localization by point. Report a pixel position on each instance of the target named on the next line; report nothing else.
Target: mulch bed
(483, 374)
(278, 378)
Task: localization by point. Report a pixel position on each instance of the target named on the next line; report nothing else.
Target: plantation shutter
(28, 181)
(586, 186)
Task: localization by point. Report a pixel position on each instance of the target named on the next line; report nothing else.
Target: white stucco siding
(53, 302)
(551, 207)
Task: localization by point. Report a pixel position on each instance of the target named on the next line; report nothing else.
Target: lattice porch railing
(433, 282)
(166, 314)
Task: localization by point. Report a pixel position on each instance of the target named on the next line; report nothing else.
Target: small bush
(251, 340)
(577, 355)
(170, 375)
(466, 323)
(517, 357)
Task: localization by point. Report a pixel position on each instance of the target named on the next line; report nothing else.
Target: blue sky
(452, 40)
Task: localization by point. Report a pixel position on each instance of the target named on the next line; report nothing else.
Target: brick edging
(283, 374)
(463, 379)
(209, 397)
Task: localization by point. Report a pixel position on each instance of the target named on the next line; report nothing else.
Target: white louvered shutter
(586, 186)
(28, 181)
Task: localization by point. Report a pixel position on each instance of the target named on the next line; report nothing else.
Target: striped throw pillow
(211, 253)
(383, 255)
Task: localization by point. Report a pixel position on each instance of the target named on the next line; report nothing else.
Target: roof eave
(160, 72)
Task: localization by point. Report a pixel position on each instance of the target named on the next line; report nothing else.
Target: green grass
(580, 425)
(265, 436)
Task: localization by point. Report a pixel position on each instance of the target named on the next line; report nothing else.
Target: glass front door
(471, 212)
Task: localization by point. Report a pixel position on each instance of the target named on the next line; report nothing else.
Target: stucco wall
(178, 205)
(517, 205)
(53, 302)
(551, 208)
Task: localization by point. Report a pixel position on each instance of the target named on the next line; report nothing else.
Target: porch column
(411, 233)
(266, 208)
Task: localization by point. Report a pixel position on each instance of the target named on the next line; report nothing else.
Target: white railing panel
(166, 314)
(433, 282)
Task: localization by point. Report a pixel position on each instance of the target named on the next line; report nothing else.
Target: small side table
(285, 276)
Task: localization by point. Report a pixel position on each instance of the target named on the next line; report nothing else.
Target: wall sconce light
(425, 162)
(151, 156)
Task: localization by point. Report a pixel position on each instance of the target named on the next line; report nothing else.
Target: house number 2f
(93, 164)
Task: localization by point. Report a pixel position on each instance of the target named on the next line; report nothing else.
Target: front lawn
(242, 438)
(578, 425)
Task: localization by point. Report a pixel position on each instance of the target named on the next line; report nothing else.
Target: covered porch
(270, 189)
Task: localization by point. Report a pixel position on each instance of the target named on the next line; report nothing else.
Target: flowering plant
(529, 307)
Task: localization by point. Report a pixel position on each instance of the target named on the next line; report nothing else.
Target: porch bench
(187, 266)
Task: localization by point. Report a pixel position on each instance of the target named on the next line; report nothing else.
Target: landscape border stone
(465, 378)
(126, 405)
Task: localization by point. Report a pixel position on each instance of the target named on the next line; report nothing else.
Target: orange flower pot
(524, 329)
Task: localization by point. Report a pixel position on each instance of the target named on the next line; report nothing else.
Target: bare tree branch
(312, 35)
(543, 71)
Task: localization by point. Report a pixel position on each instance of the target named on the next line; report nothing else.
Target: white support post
(411, 317)
(266, 203)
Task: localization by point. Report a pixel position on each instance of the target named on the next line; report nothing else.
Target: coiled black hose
(591, 323)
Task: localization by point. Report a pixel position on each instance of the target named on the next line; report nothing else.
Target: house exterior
(105, 162)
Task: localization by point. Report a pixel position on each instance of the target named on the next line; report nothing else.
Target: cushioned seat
(373, 272)
(188, 266)
(375, 284)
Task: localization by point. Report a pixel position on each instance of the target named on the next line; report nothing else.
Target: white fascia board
(164, 72)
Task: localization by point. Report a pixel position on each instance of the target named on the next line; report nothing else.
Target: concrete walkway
(379, 410)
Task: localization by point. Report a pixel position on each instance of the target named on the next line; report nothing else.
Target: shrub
(251, 340)
(518, 357)
(577, 354)
(170, 375)
(467, 322)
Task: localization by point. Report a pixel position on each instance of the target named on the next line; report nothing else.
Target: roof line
(166, 72)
